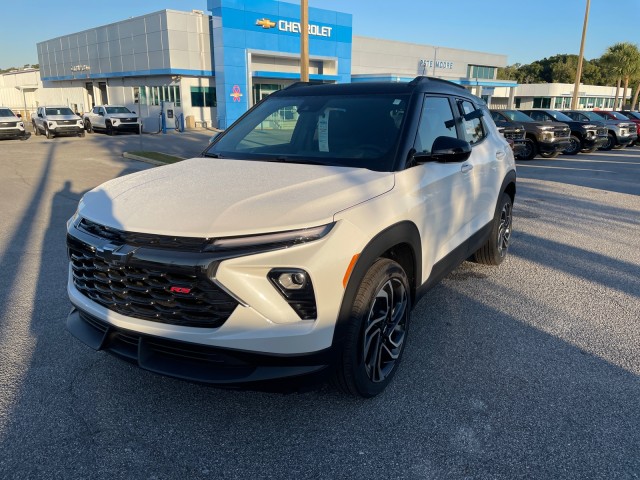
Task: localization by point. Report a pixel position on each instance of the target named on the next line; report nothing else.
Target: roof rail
(298, 84)
(424, 79)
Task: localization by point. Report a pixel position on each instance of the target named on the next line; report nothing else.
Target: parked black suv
(586, 136)
(545, 138)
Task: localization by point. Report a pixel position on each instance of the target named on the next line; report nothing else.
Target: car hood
(547, 124)
(205, 197)
(10, 119)
(63, 117)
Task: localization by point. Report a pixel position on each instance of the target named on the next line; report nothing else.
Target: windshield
(592, 116)
(355, 131)
(59, 111)
(618, 116)
(5, 112)
(635, 115)
(561, 117)
(517, 116)
(117, 110)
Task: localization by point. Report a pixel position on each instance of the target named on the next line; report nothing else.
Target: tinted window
(539, 116)
(345, 130)
(5, 112)
(118, 110)
(59, 111)
(473, 130)
(436, 121)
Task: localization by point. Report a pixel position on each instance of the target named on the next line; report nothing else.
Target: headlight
(51, 124)
(271, 241)
(114, 121)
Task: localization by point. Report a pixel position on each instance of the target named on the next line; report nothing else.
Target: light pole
(574, 101)
(304, 40)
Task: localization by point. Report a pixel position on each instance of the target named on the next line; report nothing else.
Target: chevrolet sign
(294, 27)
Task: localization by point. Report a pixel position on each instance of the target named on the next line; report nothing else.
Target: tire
(574, 146)
(109, 128)
(588, 150)
(36, 130)
(81, 134)
(495, 250)
(617, 146)
(549, 154)
(48, 133)
(87, 126)
(377, 331)
(611, 141)
(530, 150)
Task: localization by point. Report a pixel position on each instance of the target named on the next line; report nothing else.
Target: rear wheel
(574, 146)
(377, 331)
(495, 250)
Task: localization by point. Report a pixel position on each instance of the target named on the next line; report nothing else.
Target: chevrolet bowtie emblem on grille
(112, 253)
(265, 23)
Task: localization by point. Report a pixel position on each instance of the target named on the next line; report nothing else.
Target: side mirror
(133, 111)
(39, 115)
(446, 150)
(19, 115)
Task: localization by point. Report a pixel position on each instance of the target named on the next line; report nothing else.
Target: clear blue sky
(524, 30)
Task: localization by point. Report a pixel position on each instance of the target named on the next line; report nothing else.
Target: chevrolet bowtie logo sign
(265, 23)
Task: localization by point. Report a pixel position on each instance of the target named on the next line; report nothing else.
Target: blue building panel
(270, 25)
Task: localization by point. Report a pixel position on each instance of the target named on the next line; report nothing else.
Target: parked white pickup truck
(54, 121)
(11, 125)
(111, 119)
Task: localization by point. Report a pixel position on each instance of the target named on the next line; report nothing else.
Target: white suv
(111, 119)
(300, 241)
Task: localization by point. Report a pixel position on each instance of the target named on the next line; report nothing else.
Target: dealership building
(212, 66)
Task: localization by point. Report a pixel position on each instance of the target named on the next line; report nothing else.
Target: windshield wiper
(213, 155)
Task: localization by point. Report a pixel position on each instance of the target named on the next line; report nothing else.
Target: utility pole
(574, 101)
(304, 40)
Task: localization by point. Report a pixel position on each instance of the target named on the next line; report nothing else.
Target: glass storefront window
(203, 97)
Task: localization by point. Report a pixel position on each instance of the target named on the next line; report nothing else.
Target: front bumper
(12, 133)
(127, 127)
(188, 361)
(558, 144)
(594, 142)
(67, 130)
(627, 139)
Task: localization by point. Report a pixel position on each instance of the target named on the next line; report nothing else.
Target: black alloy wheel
(611, 141)
(377, 331)
(574, 146)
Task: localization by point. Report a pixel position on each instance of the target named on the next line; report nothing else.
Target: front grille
(128, 120)
(513, 134)
(67, 122)
(562, 132)
(602, 131)
(8, 124)
(145, 293)
(184, 244)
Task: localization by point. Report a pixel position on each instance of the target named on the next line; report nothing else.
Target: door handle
(500, 154)
(467, 167)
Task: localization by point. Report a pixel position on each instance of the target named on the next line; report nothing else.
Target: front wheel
(48, 133)
(529, 151)
(109, 129)
(549, 154)
(377, 331)
(495, 250)
(611, 141)
(87, 126)
(36, 130)
(574, 146)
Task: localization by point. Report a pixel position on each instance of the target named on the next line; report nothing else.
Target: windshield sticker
(397, 101)
(323, 132)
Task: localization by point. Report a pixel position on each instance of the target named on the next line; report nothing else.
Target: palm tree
(623, 61)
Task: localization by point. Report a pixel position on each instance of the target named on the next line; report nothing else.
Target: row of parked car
(61, 120)
(550, 132)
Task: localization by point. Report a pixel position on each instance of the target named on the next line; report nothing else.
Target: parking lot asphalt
(529, 370)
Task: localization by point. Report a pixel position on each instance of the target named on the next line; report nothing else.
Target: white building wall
(527, 92)
(373, 55)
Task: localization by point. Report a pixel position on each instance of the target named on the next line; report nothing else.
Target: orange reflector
(347, 274)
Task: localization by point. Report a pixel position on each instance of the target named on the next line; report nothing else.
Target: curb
(145, 159)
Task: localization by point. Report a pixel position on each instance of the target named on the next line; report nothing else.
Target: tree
(623, 61)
